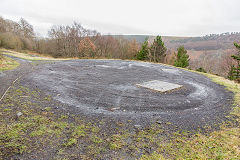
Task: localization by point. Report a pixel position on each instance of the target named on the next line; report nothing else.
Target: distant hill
(138, 38)
(208, 42)
(142, 38)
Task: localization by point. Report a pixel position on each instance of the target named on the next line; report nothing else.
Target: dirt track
(107, 89)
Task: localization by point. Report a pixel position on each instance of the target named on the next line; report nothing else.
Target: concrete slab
(160, 86)
(172, 71)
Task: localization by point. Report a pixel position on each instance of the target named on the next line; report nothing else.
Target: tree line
(65, 41)
(16, 35)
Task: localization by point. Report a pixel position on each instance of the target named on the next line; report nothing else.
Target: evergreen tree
(231, 73)
(234, 73)
(143, 53)
(182, 58)
(157, 50)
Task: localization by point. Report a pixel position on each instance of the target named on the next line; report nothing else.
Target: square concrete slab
(173, 71)
(160, 86)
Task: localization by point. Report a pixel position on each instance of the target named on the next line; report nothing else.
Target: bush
(201, 70)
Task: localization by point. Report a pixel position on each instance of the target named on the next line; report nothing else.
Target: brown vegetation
(16, 35)
(65, 41)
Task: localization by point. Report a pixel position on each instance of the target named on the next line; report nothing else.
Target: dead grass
(30, 56)
(7, 63)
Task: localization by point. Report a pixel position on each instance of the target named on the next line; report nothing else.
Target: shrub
(201, 70)
(182, 58)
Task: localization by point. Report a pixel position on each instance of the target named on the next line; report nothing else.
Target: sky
(138, 17)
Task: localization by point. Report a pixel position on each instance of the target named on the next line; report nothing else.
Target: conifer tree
(234, 73)
(143, 53)
(231, 73)
(182, 59)
(157, 50)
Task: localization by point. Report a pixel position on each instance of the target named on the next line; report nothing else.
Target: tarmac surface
(108, 89)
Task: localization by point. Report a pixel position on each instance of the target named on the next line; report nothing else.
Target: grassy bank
(30, 56)
(7, 63)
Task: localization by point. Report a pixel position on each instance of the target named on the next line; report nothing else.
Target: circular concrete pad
(108, 87)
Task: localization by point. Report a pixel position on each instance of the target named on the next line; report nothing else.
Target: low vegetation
(29, 56)
(200, 69)
(7, 63)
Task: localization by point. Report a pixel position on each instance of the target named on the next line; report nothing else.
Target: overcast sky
(152, 17)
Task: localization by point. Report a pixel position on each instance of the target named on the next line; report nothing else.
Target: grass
(29, 56)
(39, 127)
(153, 156)
(36, 127)
(7, 63)
(116, 142)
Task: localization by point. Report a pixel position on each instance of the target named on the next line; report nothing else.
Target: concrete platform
(159, 86)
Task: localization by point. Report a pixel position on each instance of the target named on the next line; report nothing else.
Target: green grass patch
(70, 142)
(116, 142)
(7, 63)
